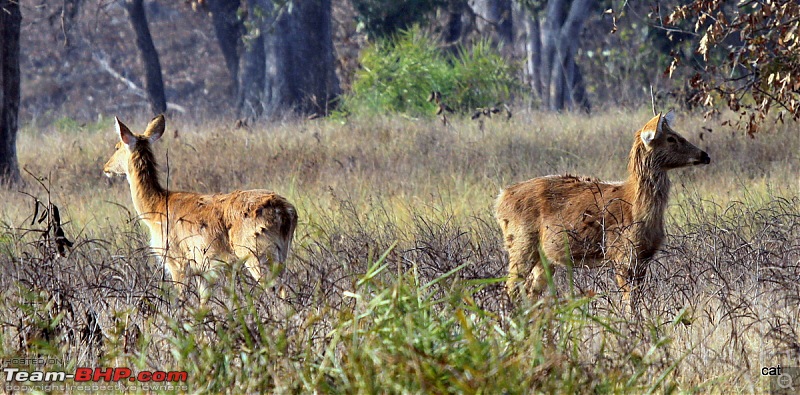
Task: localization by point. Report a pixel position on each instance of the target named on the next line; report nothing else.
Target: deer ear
(647, 137)
(670, 117)
(667, 119)
(125, 134)
(649, 132)
(155, 129)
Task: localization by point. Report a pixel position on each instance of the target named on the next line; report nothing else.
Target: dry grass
(721, 297)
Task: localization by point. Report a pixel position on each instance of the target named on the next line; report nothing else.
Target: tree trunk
(10, 25)
(252, 76)
(551, 26)
(578, 88)
(153, 82)
(494, 18)
(564, 89)
(556, 88)
(300, 63)
(228, 29)
(69, 12)
(550, 46)
(454, 28)
(533, 53)
(289, 65)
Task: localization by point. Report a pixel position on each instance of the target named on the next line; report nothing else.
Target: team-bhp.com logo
(90, 379)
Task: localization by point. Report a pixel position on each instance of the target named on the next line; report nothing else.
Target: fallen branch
(103, 63)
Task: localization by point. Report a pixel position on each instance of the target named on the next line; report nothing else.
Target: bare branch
(101, 60)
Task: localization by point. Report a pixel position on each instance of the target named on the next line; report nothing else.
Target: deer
(198, 231)
(566, 219)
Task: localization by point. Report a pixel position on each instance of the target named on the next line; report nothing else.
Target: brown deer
(199, 231)
(568, 219)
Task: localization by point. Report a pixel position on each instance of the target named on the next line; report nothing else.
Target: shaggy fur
(588, 222)
(194, 230)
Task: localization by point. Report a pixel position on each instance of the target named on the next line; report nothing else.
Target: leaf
(703, 47)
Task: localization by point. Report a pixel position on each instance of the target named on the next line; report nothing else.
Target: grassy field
(392, 285)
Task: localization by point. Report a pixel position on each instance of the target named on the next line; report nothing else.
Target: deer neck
(146, 191)
(648, 188)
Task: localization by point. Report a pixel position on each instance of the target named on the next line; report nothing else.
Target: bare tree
(153, 82)
(253, 62)
(289, 64)
(551, 33)
(228, 29)
(493, 18)
(10, 25)
(455, 27)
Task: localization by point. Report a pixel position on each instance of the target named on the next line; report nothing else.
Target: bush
(398, 74)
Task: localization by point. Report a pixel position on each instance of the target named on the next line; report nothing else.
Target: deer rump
(241, 223)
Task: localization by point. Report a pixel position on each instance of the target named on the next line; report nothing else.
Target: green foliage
(398, 74)
(67, 124)
(403, 335)
(483, 77)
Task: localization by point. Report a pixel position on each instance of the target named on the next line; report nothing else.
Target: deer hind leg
(522, 259)
(536, 281)
(176, 271)
(205, 275)
(206, 266)
(252, 241)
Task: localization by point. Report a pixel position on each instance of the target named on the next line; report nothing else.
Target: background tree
(289, 61)
(253, 62)
(153, 82)
(10, 25)
(494, 19)
(755, 48)
(74, 65)
(229, 30)
(457, 22)
(382, 18)
(551, 40)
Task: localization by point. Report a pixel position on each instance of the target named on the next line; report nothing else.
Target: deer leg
(256, 249)
(254, 266)
(630, 279)
(176, 271)
(204, 275)
(536, 281)
(249, 253)
(623, 276)
(521, 257)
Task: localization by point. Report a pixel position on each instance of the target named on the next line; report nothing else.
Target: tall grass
(393, 282)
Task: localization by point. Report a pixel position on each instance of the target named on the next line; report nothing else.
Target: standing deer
(190, 229)
(567, 219)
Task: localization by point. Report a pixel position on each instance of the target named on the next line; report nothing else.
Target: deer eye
(671, 139)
